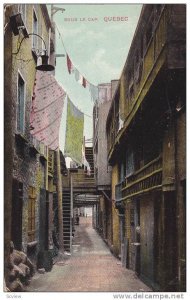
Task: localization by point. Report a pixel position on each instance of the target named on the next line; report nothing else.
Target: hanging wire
(79, 108)
(60, 36)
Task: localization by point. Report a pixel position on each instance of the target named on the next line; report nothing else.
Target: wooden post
(71, 216)
(60, 201)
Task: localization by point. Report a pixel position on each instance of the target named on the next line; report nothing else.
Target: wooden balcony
(148, 67)
(81, 182)
(144, 180)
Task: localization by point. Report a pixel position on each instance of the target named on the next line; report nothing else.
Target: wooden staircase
(83, 183)
(67, 224)
(90, 159)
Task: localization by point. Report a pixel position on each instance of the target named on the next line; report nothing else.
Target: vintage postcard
(95, 150)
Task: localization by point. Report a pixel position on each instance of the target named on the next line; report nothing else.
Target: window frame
(23, 12)
(31, 214)
(34, 38)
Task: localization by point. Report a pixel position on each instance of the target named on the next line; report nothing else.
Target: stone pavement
(90, 268)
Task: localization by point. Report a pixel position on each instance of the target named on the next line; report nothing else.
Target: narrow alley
(94, 148)
(91, 267)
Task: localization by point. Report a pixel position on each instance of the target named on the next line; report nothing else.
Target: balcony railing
(83, 180)
(147, 178)
(51, 163)
(80, 180)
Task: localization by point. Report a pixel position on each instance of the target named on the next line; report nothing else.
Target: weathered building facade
(146, 149)
(27, 161)
(102, 169)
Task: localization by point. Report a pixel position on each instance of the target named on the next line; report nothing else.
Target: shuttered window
(31, 213)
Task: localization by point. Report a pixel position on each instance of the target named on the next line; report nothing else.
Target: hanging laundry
(80, 79)
(87, 83)
(84, 82)
(69, 64)
(77, 74)
(46, 111)
(74, 133)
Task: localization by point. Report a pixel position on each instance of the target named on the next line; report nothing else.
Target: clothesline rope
(72, 61)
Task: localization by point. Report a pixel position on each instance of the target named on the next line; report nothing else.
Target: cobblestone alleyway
(90, 268)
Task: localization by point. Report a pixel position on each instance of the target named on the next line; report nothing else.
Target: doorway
(16, 222)
(147, 239)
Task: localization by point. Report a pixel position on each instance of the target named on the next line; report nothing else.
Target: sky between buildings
(98, 47)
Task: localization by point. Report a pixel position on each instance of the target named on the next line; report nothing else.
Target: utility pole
(55, 9)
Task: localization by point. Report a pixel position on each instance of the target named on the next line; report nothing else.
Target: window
(35, 30)
(42, 43)
(22, 10)
(31, 213)
(129, 162)
(20, 104)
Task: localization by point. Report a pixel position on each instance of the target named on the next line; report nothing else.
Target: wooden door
(147, 238)
(16, 218)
